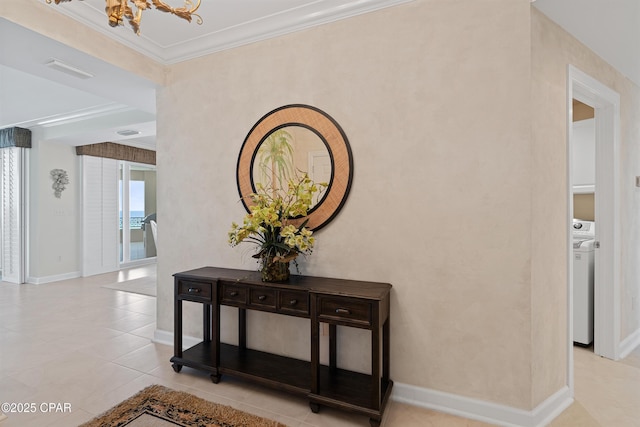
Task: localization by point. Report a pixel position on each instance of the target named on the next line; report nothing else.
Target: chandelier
(118, 9)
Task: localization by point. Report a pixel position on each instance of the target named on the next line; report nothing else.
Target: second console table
(337, 302)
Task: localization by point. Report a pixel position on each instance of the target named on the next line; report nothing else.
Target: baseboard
(139, 263)
(629, 344)
(55, 278)
(166, 338)
(450, 403)
(484, 411)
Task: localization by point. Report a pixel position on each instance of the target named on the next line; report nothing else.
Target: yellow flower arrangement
(271, 222)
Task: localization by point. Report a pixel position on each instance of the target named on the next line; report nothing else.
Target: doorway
(583, 175)
(606, 105)
(137, 208)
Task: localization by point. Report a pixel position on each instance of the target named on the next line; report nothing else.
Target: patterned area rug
(158, 406)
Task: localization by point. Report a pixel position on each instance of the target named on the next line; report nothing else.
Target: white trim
(606, 103)
(569, 236)
(54, 278)
(165, 337)
(138, 262)
(629, 344)
(481, 410)
(584, 189)
(162, 337)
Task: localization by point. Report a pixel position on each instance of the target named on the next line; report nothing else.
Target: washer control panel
(584, 229)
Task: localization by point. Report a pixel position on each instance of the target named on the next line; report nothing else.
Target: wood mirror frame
(334, 139)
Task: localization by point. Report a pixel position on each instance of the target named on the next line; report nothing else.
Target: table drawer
(293, 302)
(233, 294)
(262, 298)
(344, 310)
(196, 291)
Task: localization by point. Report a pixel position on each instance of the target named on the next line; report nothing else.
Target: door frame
(606, 104)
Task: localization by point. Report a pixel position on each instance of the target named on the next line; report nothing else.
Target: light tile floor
(79, 343)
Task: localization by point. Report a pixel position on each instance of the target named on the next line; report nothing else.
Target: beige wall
(549, 337)
(584, 206)
(582, 111)
(553, 50)
(393, 79)
(479, 300)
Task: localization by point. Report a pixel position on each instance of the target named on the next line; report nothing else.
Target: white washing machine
(583, 254)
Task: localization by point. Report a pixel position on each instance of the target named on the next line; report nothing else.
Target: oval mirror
(293, 140)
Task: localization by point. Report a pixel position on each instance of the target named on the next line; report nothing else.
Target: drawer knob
(342, 311)
(194, 290)
(293, 302)
(262, 297)
(233, 293)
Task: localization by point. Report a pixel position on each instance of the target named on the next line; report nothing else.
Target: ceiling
(67, 109)
(76, 111)
(610, 28)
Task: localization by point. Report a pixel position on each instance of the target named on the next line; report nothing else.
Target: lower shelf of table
(338, 387)
(283, 373)
(350, 390)
(198, 357)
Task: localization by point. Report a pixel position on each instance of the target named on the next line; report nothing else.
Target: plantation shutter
(13, 213)
(100, 228)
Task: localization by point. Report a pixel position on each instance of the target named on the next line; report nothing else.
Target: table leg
(215, 335)
(386, 352)
(206, 322)
(242, 328)
(333, 346)
(315, 354)
(177, 328)
(375, 362)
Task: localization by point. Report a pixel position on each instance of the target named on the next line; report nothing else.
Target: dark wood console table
(336, 302)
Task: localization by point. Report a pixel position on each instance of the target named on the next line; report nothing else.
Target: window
(137, 206)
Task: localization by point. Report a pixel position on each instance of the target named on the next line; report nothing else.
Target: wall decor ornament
(60, 181)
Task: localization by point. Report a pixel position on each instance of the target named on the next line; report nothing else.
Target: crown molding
(311, 14)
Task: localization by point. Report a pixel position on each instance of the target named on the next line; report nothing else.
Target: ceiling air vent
(127, 132)
(68, 69)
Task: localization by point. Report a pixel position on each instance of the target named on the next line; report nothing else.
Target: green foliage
(270, 225)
